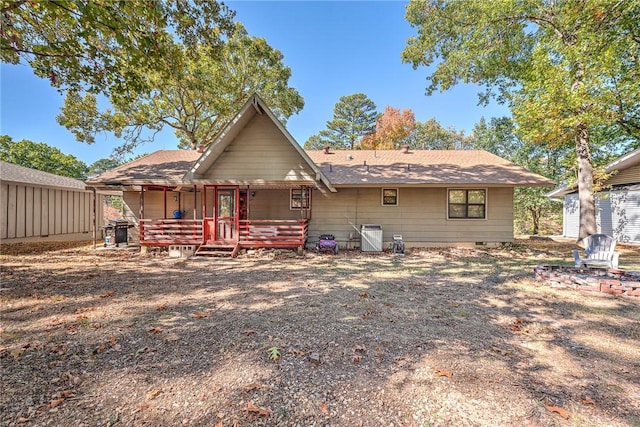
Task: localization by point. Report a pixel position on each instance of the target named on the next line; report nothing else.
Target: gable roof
(19, 174)
(254, 105)
(423, 167)
(163, 167)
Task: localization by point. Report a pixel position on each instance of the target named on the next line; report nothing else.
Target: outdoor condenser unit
(371, 238)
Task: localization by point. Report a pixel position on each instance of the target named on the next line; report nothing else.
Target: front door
(226, 209)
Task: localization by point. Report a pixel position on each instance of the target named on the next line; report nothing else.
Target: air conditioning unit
(371, 238)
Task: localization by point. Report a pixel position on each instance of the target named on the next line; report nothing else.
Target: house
(254, 186)
(617, 205)
(40, 206)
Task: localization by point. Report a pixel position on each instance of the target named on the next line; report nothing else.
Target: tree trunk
(585, 184)
(535, 218)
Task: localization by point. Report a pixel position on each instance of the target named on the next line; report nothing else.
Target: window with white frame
(389, 197)
(299, 198)
(467, 203)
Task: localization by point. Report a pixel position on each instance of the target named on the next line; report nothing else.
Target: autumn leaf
(113, 340)
(84, 309)
(200, 314)
(249, 332)
(162, 307)
(154, 393)
(588, 401)
(367, 314)
(356, 358)
(56, 402)
(274, 353)
(324, 408)
(560, 411)
(363, 295)
(257, 409)
(443, 373)
(155, 330)
(108, 294)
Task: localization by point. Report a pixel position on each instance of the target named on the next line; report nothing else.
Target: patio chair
(599, 252)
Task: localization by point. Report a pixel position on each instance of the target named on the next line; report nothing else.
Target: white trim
(486, 204)
(397, 190)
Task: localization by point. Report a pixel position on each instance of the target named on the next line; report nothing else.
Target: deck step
(216, 251)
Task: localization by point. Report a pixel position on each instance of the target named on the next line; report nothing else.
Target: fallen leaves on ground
(200, 314)
(443, 373)
(155, 330)
(154, 393)
(264, 412)
(560, 411)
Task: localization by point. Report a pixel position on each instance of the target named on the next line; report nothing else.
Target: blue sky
(334, 48)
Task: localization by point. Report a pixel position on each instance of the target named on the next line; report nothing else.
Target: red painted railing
(267, 233)
(164, 232)
(259, 233)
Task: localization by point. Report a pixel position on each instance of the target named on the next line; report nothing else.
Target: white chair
(599, 252)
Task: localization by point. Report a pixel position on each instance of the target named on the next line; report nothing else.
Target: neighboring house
(617, 206)
(40, 206)
(254, 186)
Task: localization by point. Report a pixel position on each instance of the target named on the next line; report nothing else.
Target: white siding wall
(617, 214)
(33, 213)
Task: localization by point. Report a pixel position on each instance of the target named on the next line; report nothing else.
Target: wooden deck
(251, 233)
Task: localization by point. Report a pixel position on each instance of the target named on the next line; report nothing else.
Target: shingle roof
(347, 167)
(15, 173)
(157, 167)
(423, 167)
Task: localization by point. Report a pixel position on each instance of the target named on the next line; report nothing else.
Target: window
(389, 197)
(467, 204)
(300, 198)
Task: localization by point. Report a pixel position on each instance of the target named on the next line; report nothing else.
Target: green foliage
(40, 156)
(103, 165)
(568, 69)
(431, 135)
(533, 211)
(354, 116)
(200, 96)
(107, 46)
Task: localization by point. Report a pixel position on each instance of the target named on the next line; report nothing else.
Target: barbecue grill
(117, 232)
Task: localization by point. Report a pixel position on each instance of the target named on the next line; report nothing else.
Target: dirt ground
(438, 337)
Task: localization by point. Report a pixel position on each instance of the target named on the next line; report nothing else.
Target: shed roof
(19, 174)
(423, 167)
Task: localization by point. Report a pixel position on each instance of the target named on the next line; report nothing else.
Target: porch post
(164, 194)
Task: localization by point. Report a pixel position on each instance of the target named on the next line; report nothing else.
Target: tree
(197, 100)
(431, 135)
(531, 204)
(566, 68)
(393, 128)
(40, 156)
(107, 46)
(103, 165)
(354, 116)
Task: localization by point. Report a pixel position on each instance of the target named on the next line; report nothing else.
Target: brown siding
(34, 213)
(261, 153)
(421, 216)
(627, 176)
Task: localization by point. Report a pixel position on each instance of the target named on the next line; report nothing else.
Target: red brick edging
(616, 282)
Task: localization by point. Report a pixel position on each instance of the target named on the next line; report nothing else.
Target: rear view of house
(254, 186)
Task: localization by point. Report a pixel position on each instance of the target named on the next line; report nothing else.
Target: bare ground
(436, 338)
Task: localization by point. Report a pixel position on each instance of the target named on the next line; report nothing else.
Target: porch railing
(164, 232)
(273, 233)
